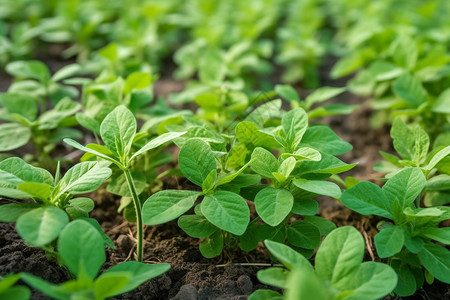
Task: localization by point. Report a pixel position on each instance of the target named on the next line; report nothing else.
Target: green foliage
(118, 132)
(41, 221)
(339, 271)
(412, 230)
(9, 291)
(82, 251)
(414, 148)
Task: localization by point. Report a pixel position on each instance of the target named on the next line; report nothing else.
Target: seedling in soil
(339, 272)
(33, 78)
(413, 146)
(82, 252)
(118, 131)
(223, 215)
(406, 240)
(46, 129)
(41, 221)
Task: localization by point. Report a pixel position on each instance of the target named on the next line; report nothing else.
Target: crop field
(230, 150)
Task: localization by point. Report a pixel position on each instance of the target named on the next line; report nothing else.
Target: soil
(233, 274)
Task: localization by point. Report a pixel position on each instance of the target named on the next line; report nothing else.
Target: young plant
(41, 221)
(413, 147)
(295, 178)
(339, 272)
(9, 291)
(82, 252)
(24, 122)
(35, 79)
(118, 132)
(406, 240)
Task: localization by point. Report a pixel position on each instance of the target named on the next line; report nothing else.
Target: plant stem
(137, 208)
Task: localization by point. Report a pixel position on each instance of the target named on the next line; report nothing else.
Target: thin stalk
(137, 208)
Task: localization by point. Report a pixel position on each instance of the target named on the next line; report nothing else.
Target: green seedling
(41, 221)
(82, 252)
(296, 177)
(221, 209)
(413, 147)
(9, 291)
(339, 272)
(118, 132)
(407, 239)
(24, 122)
(34, 78)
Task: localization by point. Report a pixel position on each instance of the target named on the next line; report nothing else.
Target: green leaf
(287, 92)
(403, 139)
(322, 94)
(372, 280)
(137, 81)
(109, 284)
(88, 122)
(41, 226)
(196, 160)
(45, 287)
(304, 235)
(77, 145)
(231, 177)
(106, 239)
(436, 259)
(208, 183)
(304, 153)
(406, 285)
(405, 186)
(226, 210)
(368, 198)
(140, 273)
(264, 162)
(305, 207)
(16, 293)
(322, 138)
(79, 207)
(81, 246)
(167, 205)
(340, 254)
(212, 69)
(320, 187)
(213, 245)
(442, 235)
(437, 158)
(276, 277)
(196, 226)
(20, 133)
(389, 241)
(29, 69)
(327, 165)
(84, 177)
(15, 170)
(421, 145)
(66, 71)
(55, 117)
(442, 103)
(117, 131)
(262, 294)
(273, 205)
(303, 285)
(156, 142)
(21, 104)
(295, 123)
(36, 190)
(325, 226)
(410, 89)
(287, 256)
(9, 213)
